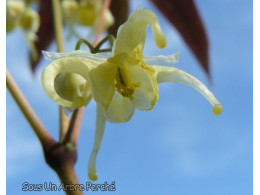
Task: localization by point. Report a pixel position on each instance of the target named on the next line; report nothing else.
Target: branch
(68, 136)
(42, 134)
(62, 160)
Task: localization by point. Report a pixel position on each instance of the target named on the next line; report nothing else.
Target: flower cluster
(20, 15)
(119, 83)
(84, 13)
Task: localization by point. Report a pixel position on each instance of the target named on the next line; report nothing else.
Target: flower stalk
(64, 120)
(96, 49)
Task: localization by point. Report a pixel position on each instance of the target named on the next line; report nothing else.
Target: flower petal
(167, 74)
(100, 128)
(66, 81)
(146, 95)
(78, 53)
(120, 109)
(102, 81)
(169, 60)
(132, 34)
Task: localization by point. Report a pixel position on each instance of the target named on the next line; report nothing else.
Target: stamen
(123, 82)
(120, 72)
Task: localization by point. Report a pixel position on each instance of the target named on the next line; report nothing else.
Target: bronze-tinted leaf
(184, 16)
(45, 33)
(119, 9)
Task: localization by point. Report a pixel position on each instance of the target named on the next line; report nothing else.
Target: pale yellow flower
(14, 11)
(85, 13)
(20, 15)
(119, 83)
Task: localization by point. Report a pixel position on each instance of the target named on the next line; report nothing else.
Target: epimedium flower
(84, 13)
(14, 11)
(20, 15)
(119, 83)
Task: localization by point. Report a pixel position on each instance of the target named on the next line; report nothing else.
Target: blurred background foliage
(182, 14)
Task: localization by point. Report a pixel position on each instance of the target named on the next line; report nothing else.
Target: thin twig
(64, 120)
(57, 15)
(77, 125)
(101, 21)
(64, 123)
(42, 134)
(68, 136)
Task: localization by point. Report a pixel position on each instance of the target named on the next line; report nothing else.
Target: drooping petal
(78, 53)
(100, 128)
(132, 34)
(168, 60)
(102, 81)
(120, 109)
(145, 96)
(66, 81)
(167, 74)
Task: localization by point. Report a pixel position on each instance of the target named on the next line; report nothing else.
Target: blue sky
(177, 148)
